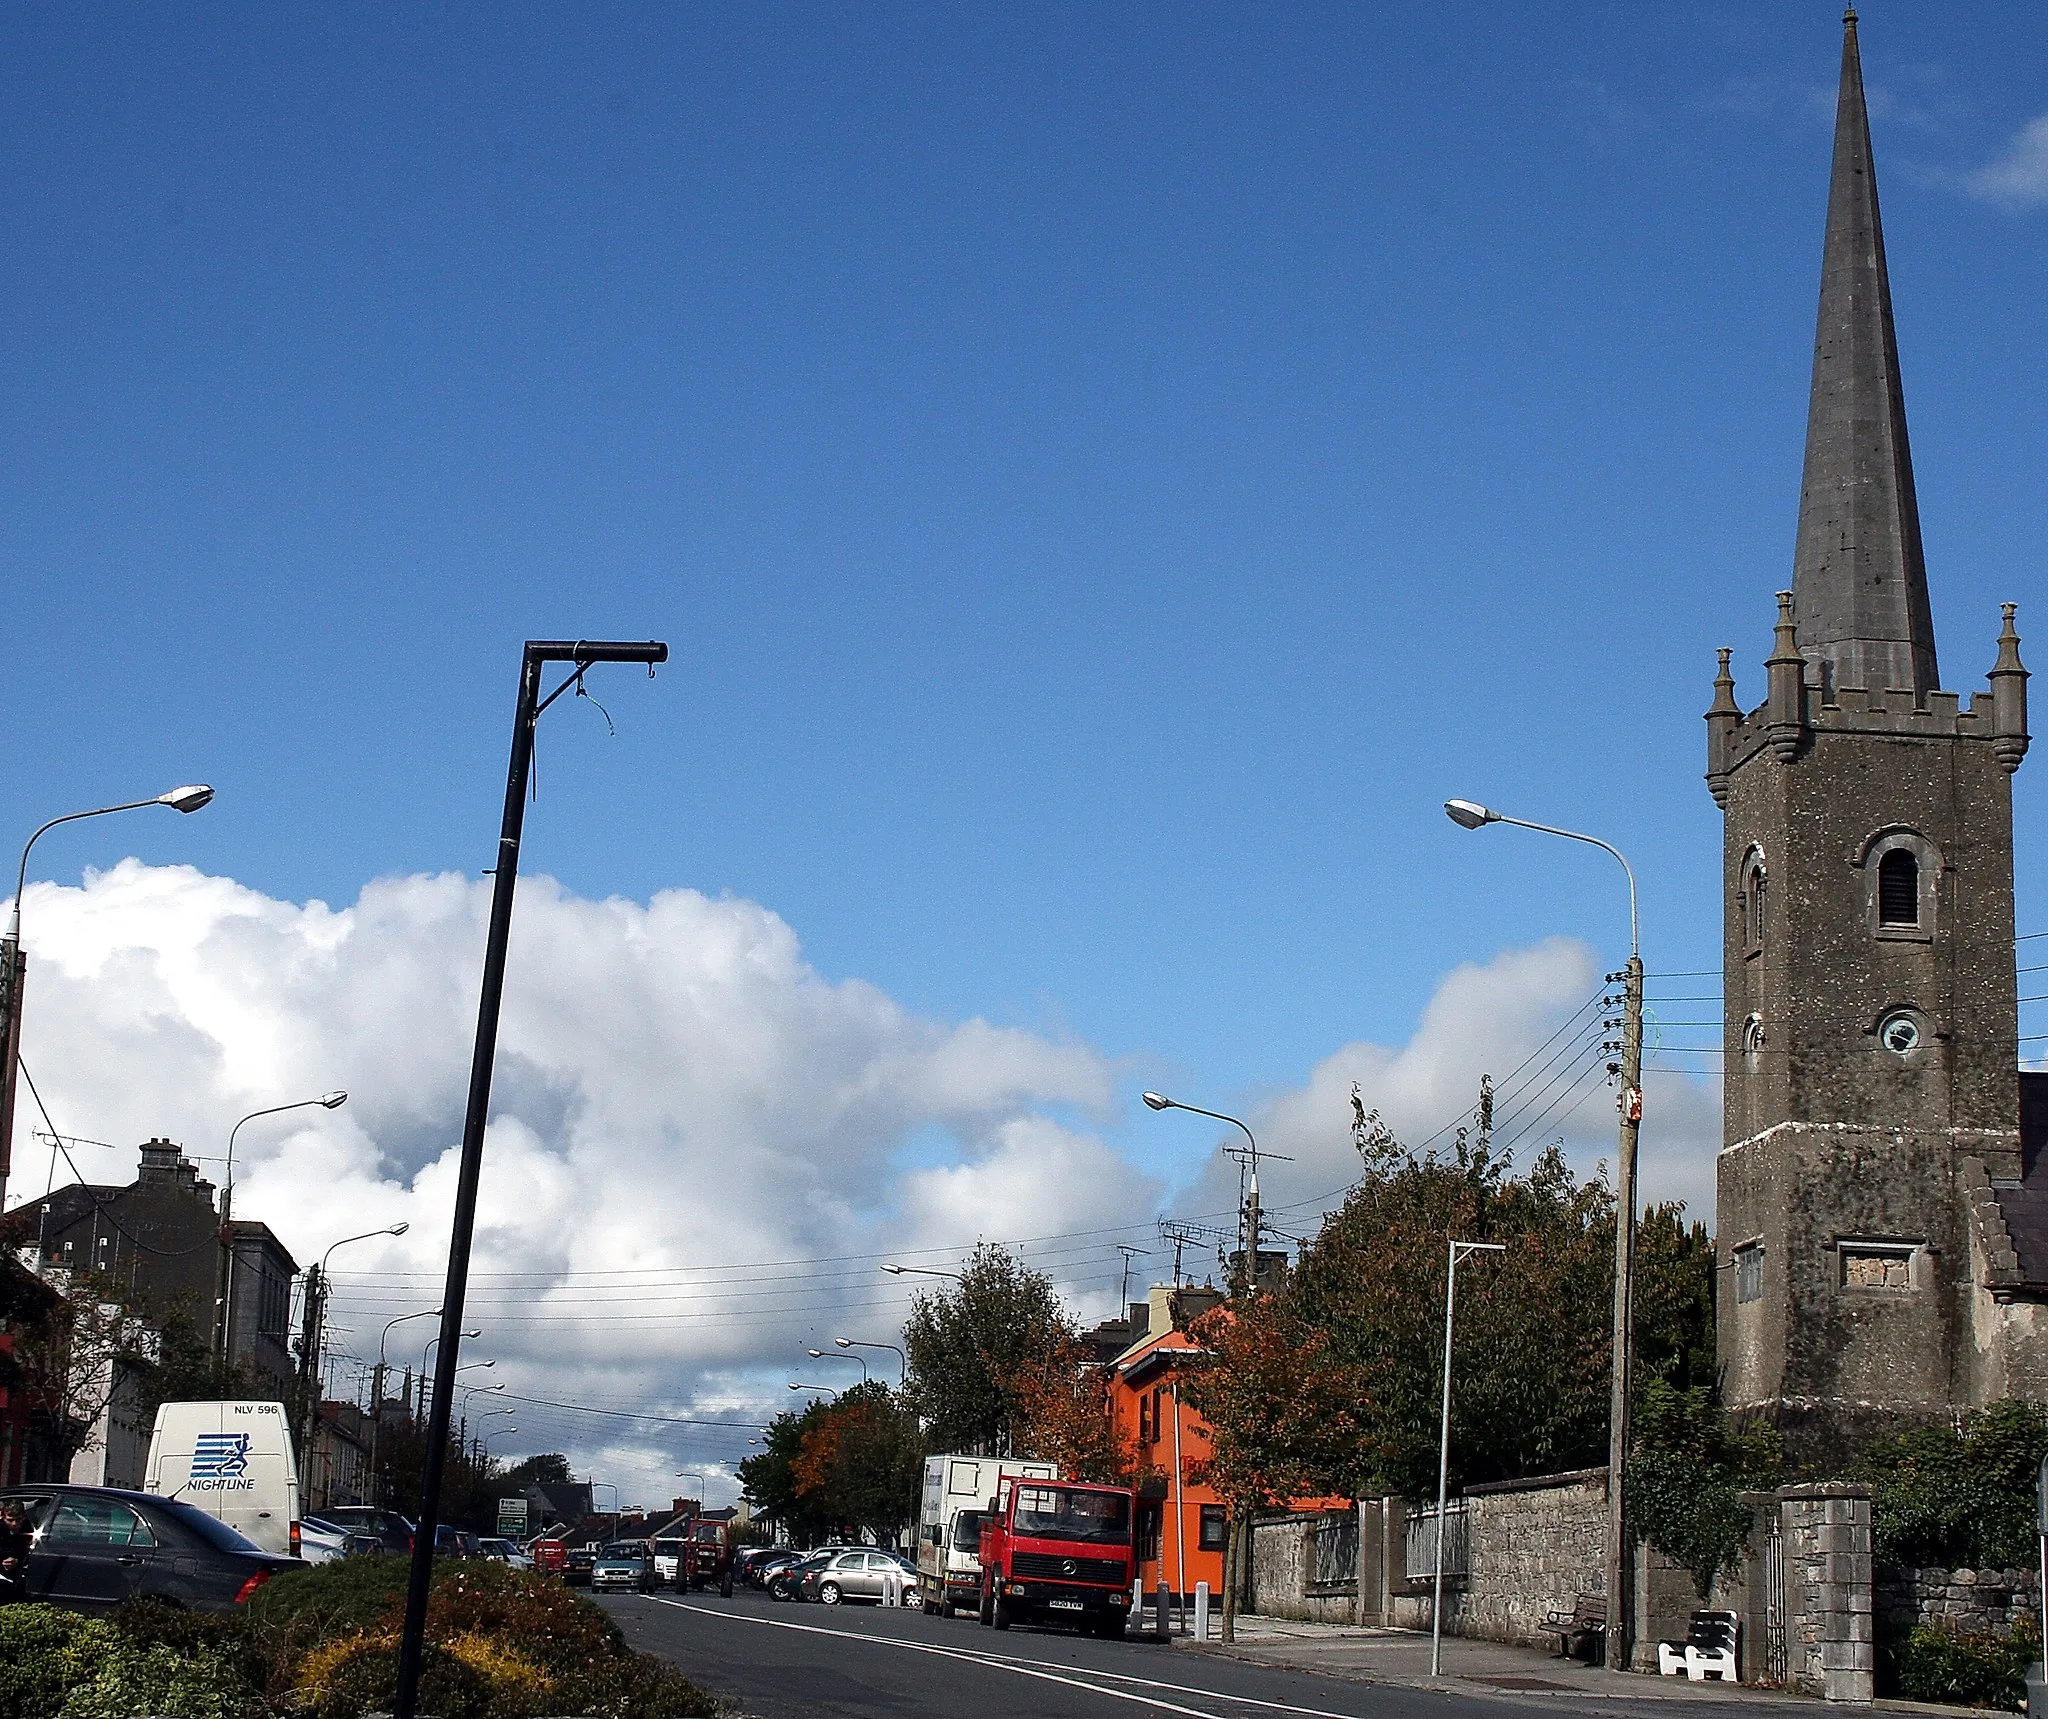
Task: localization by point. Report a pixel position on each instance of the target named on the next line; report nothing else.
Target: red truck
(1058, 1552)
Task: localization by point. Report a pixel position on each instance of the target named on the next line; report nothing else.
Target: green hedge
(1928, 1663)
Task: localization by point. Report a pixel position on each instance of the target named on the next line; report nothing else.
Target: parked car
(751, 1564)
(454, 1543)
(393, 1531)
(576, 1567)
(322, 1541)
(786, 1581)
(623, 1564)
(504, 1552)
(96, 1546)
(854, 1574)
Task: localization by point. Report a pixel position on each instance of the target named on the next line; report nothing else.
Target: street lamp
(1458, 1251)
(921, 1271)
(377, 1392)
(902, 1361)
(581, 655)
(1248, 1211)
(827, 1389)
(1471, 815)
(14, 965)
(424, 1353)
(326, 1101)
(316, 1291)
(827, 1355)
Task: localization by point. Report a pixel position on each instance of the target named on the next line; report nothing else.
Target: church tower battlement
(1883, 1252)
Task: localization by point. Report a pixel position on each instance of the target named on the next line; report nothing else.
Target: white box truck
(233, 1460)
(957, 1489)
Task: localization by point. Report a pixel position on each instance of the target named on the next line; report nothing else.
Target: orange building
(1181, 1525)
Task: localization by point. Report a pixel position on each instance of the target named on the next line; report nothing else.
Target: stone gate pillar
(1830, 1648)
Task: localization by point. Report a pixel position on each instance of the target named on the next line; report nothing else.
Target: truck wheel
(1004, 1612)
(828, 1593)
(986, 1613)
(725, 1584)
(1113, 1625)
(946, 1609)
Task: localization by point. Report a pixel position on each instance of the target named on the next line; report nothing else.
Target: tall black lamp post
(581, 654)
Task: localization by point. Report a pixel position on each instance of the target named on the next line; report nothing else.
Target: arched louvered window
(1759, 905)
(1898, 888)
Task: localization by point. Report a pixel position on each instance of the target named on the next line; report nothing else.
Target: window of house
(1215, 1527)
(1883, 1266)
(1146, 1434)
(1753, 1035)
(1749, 1272)
(1158, 1418)
(1898, 888)
(1149, 1520)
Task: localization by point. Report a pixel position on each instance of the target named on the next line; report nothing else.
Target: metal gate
(1774, 1606)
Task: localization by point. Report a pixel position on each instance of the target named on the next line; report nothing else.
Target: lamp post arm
(21, 876)
(1635, 939)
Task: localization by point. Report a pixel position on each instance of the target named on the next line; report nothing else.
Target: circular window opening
(1899, 1034)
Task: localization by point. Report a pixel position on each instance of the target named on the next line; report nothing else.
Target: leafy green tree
(969, 1347)
(1530, 1378)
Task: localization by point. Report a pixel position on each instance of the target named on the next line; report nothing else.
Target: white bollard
(1201, 1611)
(892, 1588)
(1137, 1601)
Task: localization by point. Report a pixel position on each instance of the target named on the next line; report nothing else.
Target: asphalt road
(816, 1662)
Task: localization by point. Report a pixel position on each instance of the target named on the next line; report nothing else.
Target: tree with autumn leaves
(1331, 1387)
(849, 1464)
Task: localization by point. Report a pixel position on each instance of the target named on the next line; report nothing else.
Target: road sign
(512, 1519)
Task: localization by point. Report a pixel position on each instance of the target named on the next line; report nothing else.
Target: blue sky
(1105, 474)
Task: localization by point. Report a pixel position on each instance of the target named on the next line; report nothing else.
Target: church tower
(1869, 1274)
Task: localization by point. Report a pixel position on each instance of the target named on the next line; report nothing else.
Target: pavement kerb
(1637, 1687)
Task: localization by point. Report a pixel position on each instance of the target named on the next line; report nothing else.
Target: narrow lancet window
(1898, 888)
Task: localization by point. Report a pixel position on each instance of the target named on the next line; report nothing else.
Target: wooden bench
(1582, 1632)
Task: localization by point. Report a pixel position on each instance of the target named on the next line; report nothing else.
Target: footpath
(1471, 1667)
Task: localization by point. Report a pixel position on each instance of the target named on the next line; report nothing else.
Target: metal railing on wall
(1420, 1564)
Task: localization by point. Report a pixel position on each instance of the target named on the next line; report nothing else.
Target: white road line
(1024, 1668)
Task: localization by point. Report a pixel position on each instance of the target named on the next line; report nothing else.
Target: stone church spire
(1859, 578)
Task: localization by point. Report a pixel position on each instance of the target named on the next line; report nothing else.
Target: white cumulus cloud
(2017, 178)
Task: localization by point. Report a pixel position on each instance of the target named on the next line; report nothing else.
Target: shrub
(551, 1627)
(363, 1678)
(636, 1686)
(1960, 1498)
(1934, 1664)
(38, 1664)
(129, 1679)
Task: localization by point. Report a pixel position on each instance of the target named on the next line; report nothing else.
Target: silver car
(853, 1575)
(623, 1564)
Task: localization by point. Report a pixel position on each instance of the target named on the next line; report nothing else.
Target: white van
(234, 1460)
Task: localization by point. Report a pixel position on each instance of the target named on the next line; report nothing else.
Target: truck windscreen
(967, 1531)
(1069, 1513)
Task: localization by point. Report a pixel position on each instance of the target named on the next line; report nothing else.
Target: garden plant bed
(322, 1643)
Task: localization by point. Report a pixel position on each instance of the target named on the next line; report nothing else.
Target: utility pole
(376, 1425)
(309, 1372)
(581, 654)
(1630, 1102)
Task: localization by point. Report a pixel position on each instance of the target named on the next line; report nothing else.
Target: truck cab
(958, 1491)
(1058, 1551)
